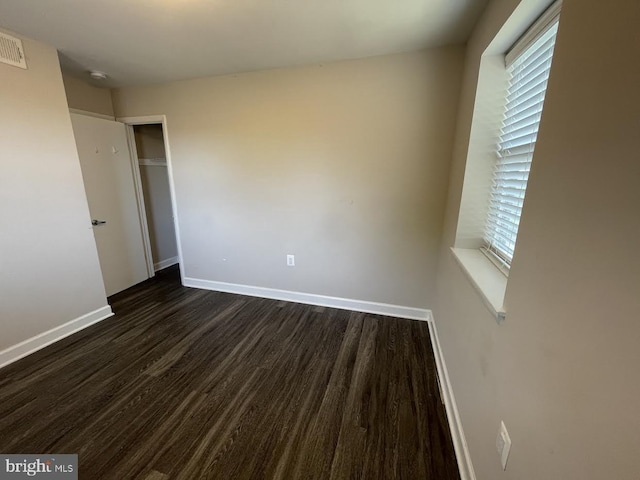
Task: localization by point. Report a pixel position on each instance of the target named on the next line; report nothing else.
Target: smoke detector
(96, 75)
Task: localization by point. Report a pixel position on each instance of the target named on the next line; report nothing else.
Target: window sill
(485, 277)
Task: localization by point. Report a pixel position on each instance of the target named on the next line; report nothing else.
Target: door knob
(98, 222)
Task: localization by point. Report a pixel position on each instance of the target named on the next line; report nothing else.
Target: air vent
(11, 51)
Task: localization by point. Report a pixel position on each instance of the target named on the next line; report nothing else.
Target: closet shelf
(153, 162)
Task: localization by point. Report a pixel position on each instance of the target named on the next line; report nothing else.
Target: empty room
(320, 239)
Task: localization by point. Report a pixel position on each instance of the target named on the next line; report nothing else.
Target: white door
(111, 193)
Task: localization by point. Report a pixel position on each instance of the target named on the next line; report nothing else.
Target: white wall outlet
(503, 445)
(291, 260)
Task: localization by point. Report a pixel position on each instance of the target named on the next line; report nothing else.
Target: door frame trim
(148, 120)
(142, 210)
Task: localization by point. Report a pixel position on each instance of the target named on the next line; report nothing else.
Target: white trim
(142, 210)
(455, 424)
(142, 120)
(165, 263)
(33, 344)
(162, 119)
(311, 299)
(488, 280)
(534, 32)
(92, 114)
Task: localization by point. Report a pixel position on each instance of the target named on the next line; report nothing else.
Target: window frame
(487, 274)
(549, 20)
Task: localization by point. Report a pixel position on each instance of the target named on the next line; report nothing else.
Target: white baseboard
(33, 344)
(165, 263)
(311, 299)
(459, 442)
(465, 466)
(455, 425)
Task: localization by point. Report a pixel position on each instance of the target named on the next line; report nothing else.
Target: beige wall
(562, 370)
(343, 165)
(149, 141)
(83, 96)
(49, 265)
(157, 203)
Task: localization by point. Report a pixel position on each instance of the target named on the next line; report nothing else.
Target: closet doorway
(152, 167)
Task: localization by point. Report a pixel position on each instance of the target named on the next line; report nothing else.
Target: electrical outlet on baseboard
(503, 445)
(291, 260)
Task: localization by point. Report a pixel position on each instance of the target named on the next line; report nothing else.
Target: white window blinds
(529, 73)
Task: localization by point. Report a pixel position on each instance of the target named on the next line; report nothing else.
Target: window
(528, 66)
(507, 110)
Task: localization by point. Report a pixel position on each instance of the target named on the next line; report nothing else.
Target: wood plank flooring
(189, 384)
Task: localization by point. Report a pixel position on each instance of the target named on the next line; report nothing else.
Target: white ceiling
(140, 42)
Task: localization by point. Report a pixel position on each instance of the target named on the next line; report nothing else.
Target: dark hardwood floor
(188, 384)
